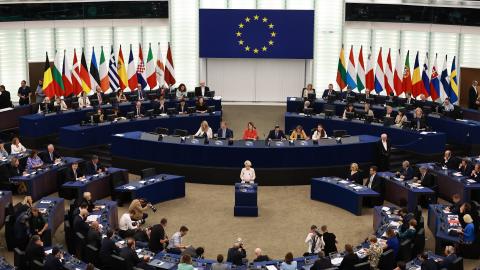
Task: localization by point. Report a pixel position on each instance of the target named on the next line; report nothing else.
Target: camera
(154, 209)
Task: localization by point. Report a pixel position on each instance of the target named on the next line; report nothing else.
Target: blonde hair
(354, 166)
(247, 163)
(204, 125)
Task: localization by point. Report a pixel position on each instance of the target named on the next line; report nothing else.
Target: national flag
(397, 75)
(76, 80)
(453, 83)
(84, 75)
(67, 76)
(141, 68)
(122, 71)
(389, 75)
(112, 72)
(379, 75)
(434, 82)
(425, 78)
(370, 77)
(417, 83)
(444, 81)
(169, 68)
(407, 78)
(150, 69)
(103, 70)
(351, 76)
(47, 86)
(132, 71)
(94, 76)
(57, 75)
(360, 71)
(160, 68)
(341, 71)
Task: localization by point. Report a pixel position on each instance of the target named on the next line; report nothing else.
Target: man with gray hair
(51, 156)
(259, 257)
(93, 166)
(384, 149)
(237, 254)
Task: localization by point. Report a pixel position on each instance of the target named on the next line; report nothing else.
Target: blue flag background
(256, 33)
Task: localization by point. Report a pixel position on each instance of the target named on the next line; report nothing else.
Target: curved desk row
(10, 116)
(424, 143)
(77, 137)
(464, 132)
(438, 224)
(41, 125)
(218, 162)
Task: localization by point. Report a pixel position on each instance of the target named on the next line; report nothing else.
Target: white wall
(268, 80)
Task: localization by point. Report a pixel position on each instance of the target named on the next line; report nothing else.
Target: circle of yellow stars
(271, 35)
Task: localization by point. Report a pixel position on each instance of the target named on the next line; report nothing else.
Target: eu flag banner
(256, 33)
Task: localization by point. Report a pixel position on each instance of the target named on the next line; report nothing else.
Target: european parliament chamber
(240, 134)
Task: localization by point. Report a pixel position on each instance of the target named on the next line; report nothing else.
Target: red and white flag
(169, 69)
(76, 81)
(398, 75)
(389, 75)
(369, 77)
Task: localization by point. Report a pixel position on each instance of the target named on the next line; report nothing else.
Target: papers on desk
(462, 120)
(337, 261)
(48, 251)
(163, 114)
(293, 99)
(471, 181)
(6, 109)
(119, 135)
(130, 187)
(457, 174)
(343, 182)
(92, 218)
(397, 179)
(428, 132)
(394, 224)
(357, 187)
(45, 201)
(142, 182)
(217, 97)
(271, 267)
(385, 208)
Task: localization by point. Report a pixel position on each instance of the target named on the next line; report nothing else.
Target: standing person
(473, 102)
(158, 237)
(247, 174)
(23, 93)
(384, 149)
(37, 223)
(39, 94)
(5, 100)
(314, 240)
(330, 241)
(237, 253)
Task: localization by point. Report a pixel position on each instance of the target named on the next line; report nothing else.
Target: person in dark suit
(322, 262)
(182, 107)
(424, 178)
(473, 102)
(384, 149)
(140, 92)
(51, 155)
(108, 248)
(202, 90)
(408, 101)
(329, 91)
(475, 175)
(53, 261)
(160, 107)
(418, 121)
(21, 231)
(73, 173)
(79, 224)
(237, 253)
(350, 259)
(457, 203)
(375, 183)
(259, 257)
(93, 166)
(35, 250)
(448, 161)
(87, 200)
(276, 134)
(94, 237)
(224, 132)
(158, 237)
(100, 96)
(5, 100)
(349, 94)
(465, 168)
(355, 175)
(138, 111)
(427, 263)
(406, 217)
(450, 257)
(131, 258)
(406, 173)
(330, 240)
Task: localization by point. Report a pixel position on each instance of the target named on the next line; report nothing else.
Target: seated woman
(355, 174)
(410, 232)
(308, 90)
(298, 134)
(348, 109)
(319, 133)
(120, 96)
(83, 100)
(289, 263)
(99, 116)
(367, 110)
(247, 175)
(400, 119)
(201, 107)
(181, 91)
(17, 147)
(204, 130)
(250, 133)
(34, 161)
(3, 152)
(475, 175)
(59, 102)
(468, 230)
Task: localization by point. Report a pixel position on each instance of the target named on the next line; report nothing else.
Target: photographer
(127, 227)
(314, 240)
(237, 254)
(139, 206)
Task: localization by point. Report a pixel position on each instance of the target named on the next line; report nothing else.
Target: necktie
(224, 133)
(75, 174)
(99, 98)
(51, 156)
(138, 111)
(140, 94)
(418, 123)
(276, 135)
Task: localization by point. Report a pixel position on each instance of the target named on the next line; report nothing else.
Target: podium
(245, 200)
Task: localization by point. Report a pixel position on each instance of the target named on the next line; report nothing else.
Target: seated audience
(45, 106)
(140, 92)
(201, 107)
(37, 223)
(465, 168)
(447, 106)
(475, 175)
(99, 116)
(319, 133)
(276, 134)
(401, 118)
(247, 175)
(73, 173)
(367, 111)
(448, 161)
(54, 260)
(100, 96)
(220, 265)
(348, 94)
(131, 258)
(450, 257)
(298, 134)
(34, 161)
(94, 236)
(259, 257)
(160, 107)
(410, 232)
(204, 130)
(329, 92)
(87, 200)
(288, 263)
(389, 111)
(457, 203)
(14, 168)
(374, 181)
(406, 173)
(181, 91)
(120, 96)
(355, 175)
(16, 147)
(93, 166)
(60, 103)
(3, 152)
(374, 252)
(350, 259)
(406, 217)
(425, 179)
(322, 262)
(35, 250)
(224, 132)
(308, 90)
(185, 263)
(79, 223)
(419, 122)
(182, 107)
(250, 133)
(126, 225)
(83, 100)
(51, 156)
(175, 244)
(427, 263)
(236, 254)
(348, 109)
(329, 239)
(392, 242)
(108, 248)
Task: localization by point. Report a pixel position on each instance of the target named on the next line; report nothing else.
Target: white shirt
(247, 175)
(175, 241)
(370, 181)
(318, 242)
(83, 102)
(201, 133)
(125, 223)
(317, 135)
(203, 90)
(17, 149)
(384, 143)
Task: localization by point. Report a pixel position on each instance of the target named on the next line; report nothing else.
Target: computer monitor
(111, 117)
(211, 109)
(388, 121)
(308, 111)
(152, 95)
(133, 97)
(369, 118)
(350, 115)
(191, 95)
(75, 105)
(370, 100)
(180, 132)
(171, 111)
(130, 115)
(191, 109)
(113, 100)
(331, 98)
(94, 102)
(149, 113)
(210, 94)
(339, 133)
(361, 114)
(312, 96)
(351, 99)
(171, 96)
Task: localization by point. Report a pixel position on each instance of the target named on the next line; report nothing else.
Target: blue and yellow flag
(453, 83)
(247, 33)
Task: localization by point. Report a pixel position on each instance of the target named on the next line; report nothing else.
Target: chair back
(387, 260)
(19, 259)
(362, 266)
(148, 172)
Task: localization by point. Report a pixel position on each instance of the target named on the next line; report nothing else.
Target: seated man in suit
(182, 107)
(87, 200)
(406, 173)
(350, 258)
(140, 93)
(54, 260)
(475, 175)
(35, 250)
(418, 121)
(322, 262)
(408, 100)
(93, 166)
(450, 257)
(307, 105)
(448, 161)
(276, 134)
(348, 94)
(138, 111)
(202, 90)
(389, 112)
(160, 107)
(100, 96)
(131, 258)
(73, 173)
(224, 132)
(427, 263)
(94, 237)
(51, 156)
(424, 178)
(329, 91)
(465, 168)
(259, 257)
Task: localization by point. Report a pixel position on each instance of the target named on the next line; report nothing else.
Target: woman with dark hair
(319, 133)
(34, 161)
(289, 263)
(185, 263)
(348, 109)
(181, 91)
(201, 106)
(401, 118)
(298, 134)
(250, 133)
(121, 96)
